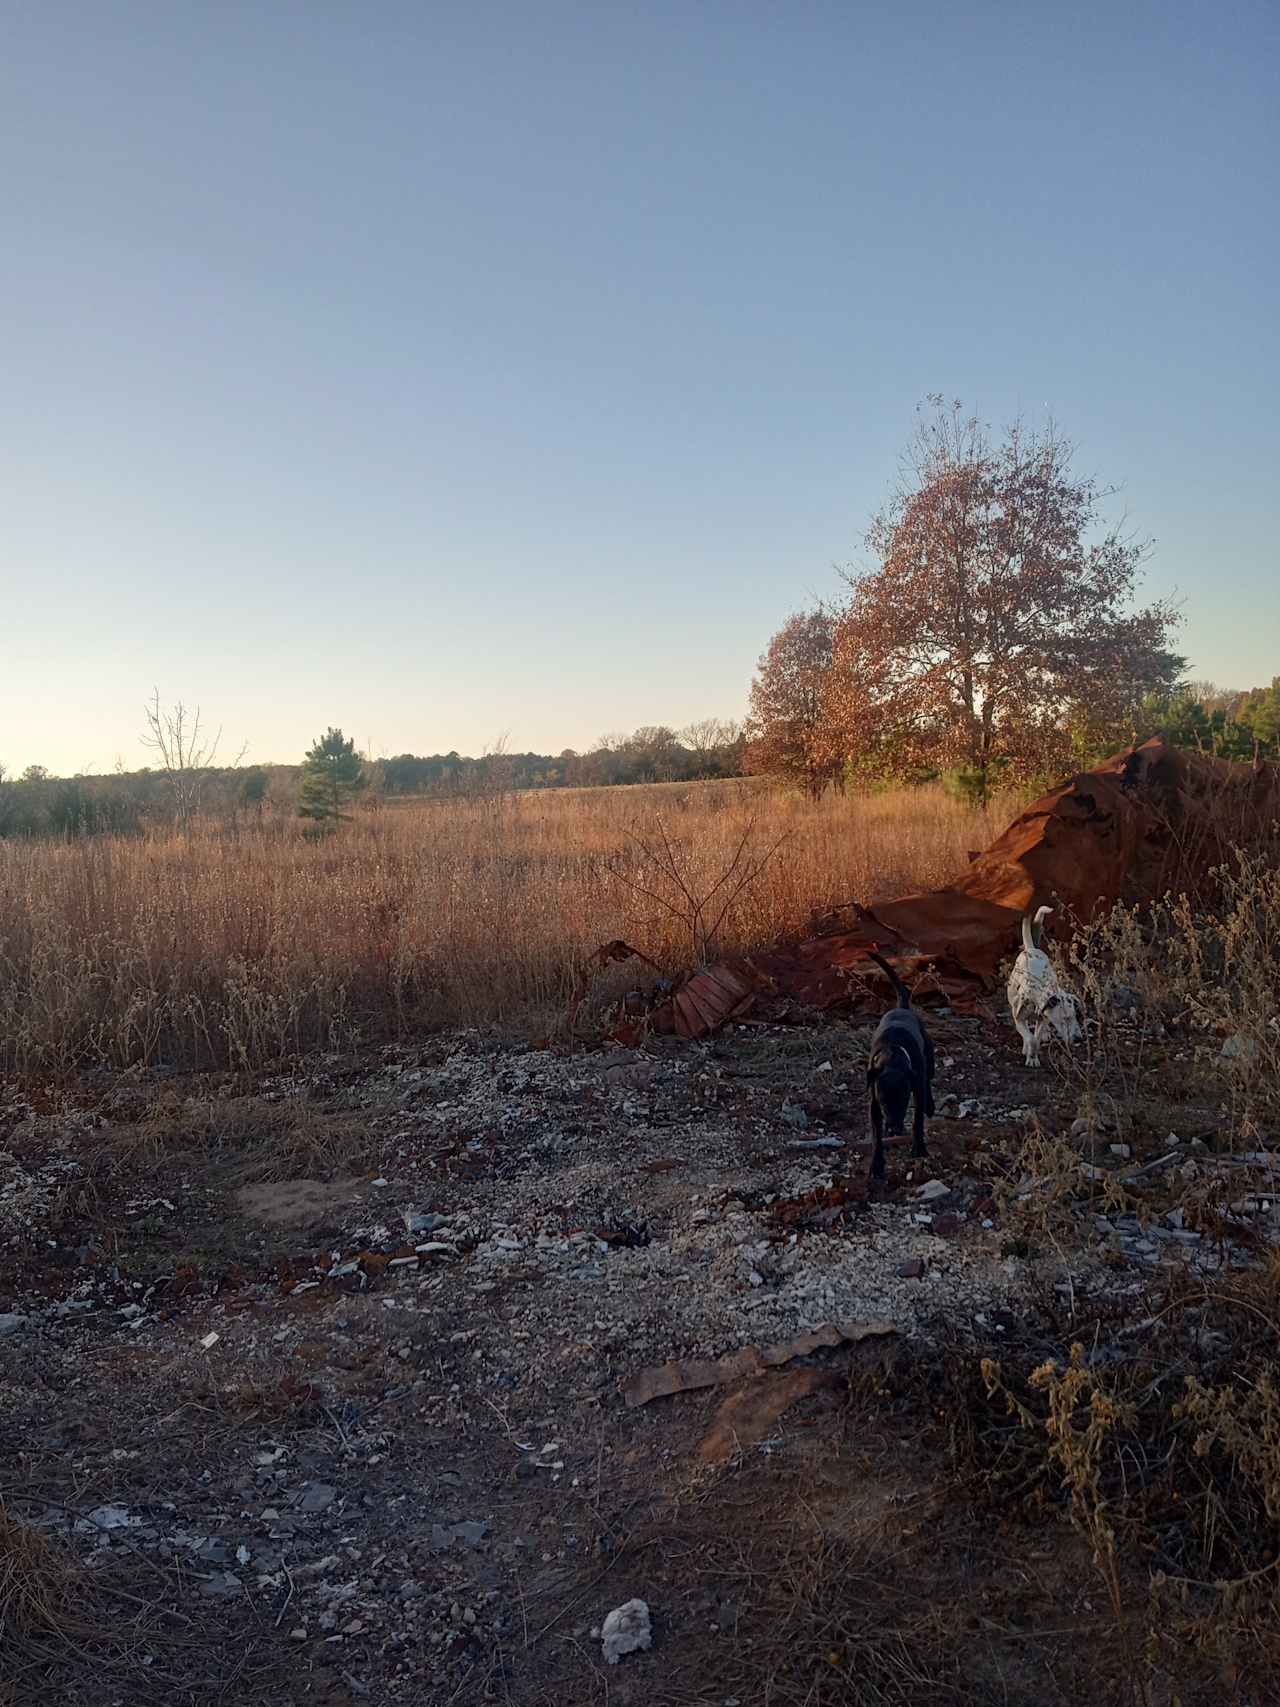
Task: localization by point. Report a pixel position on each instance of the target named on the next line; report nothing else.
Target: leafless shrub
(700, 902)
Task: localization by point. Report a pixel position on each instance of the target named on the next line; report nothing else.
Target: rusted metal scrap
(608, 954)
(1150, 819)
(748, 1415)
(675, 1377)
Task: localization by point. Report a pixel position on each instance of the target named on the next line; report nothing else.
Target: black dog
(900, 1070)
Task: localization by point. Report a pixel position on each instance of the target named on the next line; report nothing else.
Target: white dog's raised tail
(1038, 1003)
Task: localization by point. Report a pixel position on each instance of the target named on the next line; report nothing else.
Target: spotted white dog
(1041, 1008)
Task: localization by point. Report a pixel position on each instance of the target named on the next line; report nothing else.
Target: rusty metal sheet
(1148, 820)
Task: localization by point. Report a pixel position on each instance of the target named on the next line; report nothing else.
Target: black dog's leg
(918, 1101)
(877, 1130)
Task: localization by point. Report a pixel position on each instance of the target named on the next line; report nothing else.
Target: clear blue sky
(439, 370)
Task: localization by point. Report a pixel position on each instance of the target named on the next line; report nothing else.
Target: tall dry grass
(236, 948)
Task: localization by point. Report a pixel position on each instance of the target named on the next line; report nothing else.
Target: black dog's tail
(900, 990)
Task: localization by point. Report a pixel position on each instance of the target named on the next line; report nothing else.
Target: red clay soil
(1148, 820)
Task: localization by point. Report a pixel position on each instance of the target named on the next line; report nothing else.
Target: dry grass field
(237, 947)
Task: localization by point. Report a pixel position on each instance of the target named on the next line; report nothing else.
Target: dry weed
(297, 1138)
(216, 950)
(1043, 1197)
(1207, 973)
(1080, 1419)
(1168, 1464)
(33, 1580)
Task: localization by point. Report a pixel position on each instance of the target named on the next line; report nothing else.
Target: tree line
(992, 637)
(186, 783)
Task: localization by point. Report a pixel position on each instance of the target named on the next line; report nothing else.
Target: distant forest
(37, 803)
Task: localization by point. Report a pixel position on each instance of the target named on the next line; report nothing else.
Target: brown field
(237, 947)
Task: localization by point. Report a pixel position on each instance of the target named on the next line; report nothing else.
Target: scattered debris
(452, 1446)
(608, 954)
(670, 1378)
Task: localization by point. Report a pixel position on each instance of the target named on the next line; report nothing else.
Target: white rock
(626, 1629)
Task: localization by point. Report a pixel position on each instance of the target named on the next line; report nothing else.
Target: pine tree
(331, 774)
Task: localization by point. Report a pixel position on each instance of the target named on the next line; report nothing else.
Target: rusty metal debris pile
(1145, 821)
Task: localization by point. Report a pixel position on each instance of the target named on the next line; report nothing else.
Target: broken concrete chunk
(222, 1585)
(626, 1630)
(446, 1535)
(419, 1224)
(108, 1517)
(317, 1496)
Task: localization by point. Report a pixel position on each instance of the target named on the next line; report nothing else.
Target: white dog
(1039, 1005)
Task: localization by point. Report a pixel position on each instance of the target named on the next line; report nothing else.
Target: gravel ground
(358, 1434)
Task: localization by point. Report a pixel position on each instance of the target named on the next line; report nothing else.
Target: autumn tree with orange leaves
(993, 614)
(785, 726)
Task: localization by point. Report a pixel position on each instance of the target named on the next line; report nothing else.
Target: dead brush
(1168, 1464)
(1044, 1198)
(35, 1581)
(672, 877)
(1206, 972)
(1080, 1419)
(828, 1630)
(263, 1141)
